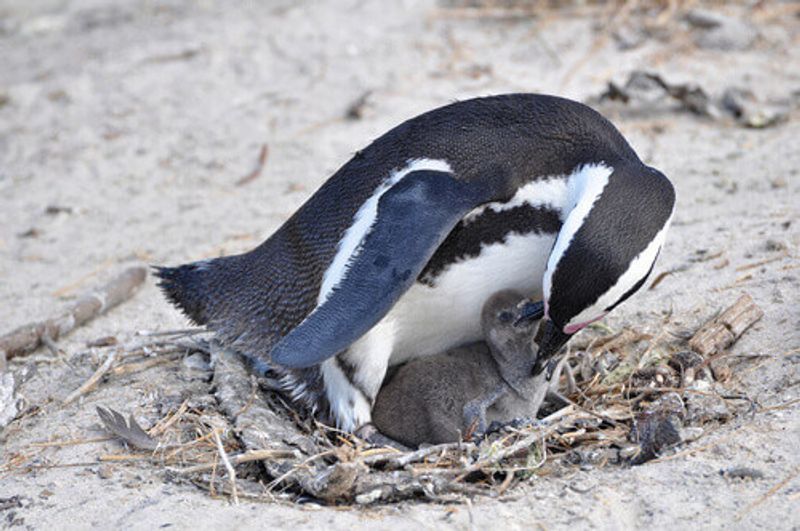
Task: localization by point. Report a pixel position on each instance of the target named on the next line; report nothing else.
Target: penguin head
(605, 250)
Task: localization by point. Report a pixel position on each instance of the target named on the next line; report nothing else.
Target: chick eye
(505, 317)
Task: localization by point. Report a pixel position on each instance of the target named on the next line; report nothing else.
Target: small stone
(369, 497)
(778, 183)
(105, 472)
(719, 32)
(629, 451)
(705, 406)
(197, 362)
(742, 473)
(658, 427)
(691, 434)
(775, 245)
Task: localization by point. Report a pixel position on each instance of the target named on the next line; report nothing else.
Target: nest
(629, 397)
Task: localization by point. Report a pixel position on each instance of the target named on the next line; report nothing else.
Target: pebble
(105, 472)
(715, 31)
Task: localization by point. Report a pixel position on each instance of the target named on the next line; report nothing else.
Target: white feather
(349, 407)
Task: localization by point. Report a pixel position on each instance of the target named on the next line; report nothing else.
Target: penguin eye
(505, 317)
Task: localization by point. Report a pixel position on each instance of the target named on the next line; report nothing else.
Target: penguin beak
(550, 339)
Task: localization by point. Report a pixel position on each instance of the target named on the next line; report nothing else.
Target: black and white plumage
(394, 256)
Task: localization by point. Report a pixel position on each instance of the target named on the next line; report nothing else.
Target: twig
(28, 338)
(779, 406)
(228, 467)
(690, 451)
(398, 460)
(521, 444)
(93, 379)
(762, 262)
(769, 493)
(71, 442)
(146, 364)
(254, 455)
(262, 159)
(178, 332)
(165, 423)
(275, 482)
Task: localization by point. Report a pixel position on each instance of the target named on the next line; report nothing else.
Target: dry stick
(523, 443)
(275, 482)
(254, 455)
(690, 451)
(391, 458)
(769, 493)
(29, 337)
(723, 330)
(71, 442)
(228, 467)
(762, 262)
(178, 332)
(146, 364)
(166, 422)
(262, 159)
(93, 379)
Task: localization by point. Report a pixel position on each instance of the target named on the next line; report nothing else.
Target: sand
(135, 120)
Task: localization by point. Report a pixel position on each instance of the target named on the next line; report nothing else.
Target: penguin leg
(354, 377)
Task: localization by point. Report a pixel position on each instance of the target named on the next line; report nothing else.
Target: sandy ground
(138, 118)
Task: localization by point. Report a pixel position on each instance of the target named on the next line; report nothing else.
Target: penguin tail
(186, 287)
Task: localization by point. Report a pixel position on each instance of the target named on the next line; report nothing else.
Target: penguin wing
(413, 218)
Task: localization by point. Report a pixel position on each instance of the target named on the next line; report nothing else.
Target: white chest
(428, 320)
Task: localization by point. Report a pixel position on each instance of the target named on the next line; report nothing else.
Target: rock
(10, 402)
(197, 361)
(742, 473)
(715, 31)
(658, 427)
(750, 111)
(705, 406)
(105, 471)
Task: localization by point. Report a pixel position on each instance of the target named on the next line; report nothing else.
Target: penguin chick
(440, 398)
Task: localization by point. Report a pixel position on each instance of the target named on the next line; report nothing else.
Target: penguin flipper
(413, 218)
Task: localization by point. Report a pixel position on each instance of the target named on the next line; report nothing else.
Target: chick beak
(550, 339)
(530, 311)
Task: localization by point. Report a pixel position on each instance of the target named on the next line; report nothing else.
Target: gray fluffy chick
(443, 398)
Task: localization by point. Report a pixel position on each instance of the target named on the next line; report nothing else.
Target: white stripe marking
(352, 242)
(549, 192)
(586, 184)
(636, 271)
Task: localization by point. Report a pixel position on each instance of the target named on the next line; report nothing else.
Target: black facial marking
(634, 206)
(467, 238)
(635, 287)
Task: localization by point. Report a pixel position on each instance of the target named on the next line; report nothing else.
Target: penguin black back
(253, 299)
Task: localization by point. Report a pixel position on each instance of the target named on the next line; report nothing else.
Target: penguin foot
(369, 433)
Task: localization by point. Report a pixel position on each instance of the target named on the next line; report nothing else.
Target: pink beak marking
(571, 329)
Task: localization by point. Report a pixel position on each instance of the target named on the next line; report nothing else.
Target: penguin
(442, 398)
(395, 254)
